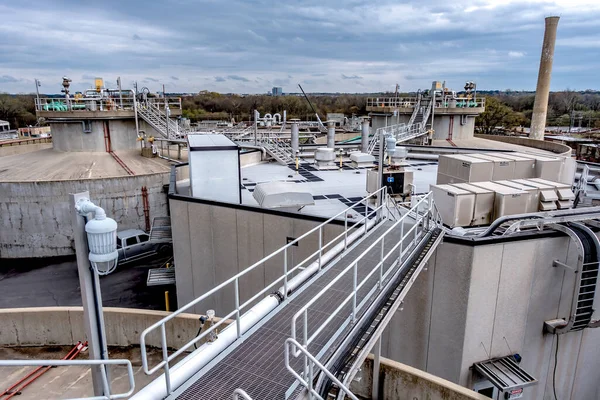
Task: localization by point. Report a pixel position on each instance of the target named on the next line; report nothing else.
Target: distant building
(277, 91)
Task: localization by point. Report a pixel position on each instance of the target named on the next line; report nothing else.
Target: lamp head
(102, 242)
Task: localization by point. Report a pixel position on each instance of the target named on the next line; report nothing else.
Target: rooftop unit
(284, 196)
(214, 168)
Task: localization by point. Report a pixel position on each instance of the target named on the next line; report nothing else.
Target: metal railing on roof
(425, 216)
(101, 103)
(423, 210)
(289, 271)
(67, 363)
(409, 102)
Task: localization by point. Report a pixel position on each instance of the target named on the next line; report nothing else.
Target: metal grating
(257, 365)
(505, 373)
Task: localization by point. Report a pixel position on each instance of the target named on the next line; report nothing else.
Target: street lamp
(95, 256)
(102, 237)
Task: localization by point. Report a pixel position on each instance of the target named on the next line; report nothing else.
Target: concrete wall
(22, 149)
(475, 301)
(211, 243)
(558, 148)
(47, 326)
(402, 382)
(36, 218)
(71, 137)
(444, 124)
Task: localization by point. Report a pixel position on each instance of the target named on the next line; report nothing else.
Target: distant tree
(497, 114)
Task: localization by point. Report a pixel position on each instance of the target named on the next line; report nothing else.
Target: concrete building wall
(70, 136)
(36, 218)
(449, 127)
(214, 242)
(492, 300)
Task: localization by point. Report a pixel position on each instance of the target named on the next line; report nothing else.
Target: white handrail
(237, 311)
(66, 363)
(241, 394)
(353, 266)
(308, 382)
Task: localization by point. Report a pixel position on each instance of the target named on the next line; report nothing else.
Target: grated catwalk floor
(258, 364)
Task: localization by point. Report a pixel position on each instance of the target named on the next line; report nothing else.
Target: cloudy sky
(248, 46)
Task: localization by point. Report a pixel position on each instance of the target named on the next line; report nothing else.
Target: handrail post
(367, 213)
(401, 240)
(320, 246)
(345, 231)
(381, 266)
(355, 278)
(285, 273)
(238, 324)
(165, 353)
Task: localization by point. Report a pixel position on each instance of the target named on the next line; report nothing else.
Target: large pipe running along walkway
(257, 365)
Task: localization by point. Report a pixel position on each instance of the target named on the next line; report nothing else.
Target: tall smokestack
(542, 91)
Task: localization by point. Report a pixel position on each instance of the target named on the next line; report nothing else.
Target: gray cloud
(8, 79)
(238, 78)
(351, 77)
(366, 47)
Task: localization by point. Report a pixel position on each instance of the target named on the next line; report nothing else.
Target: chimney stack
(542, 91)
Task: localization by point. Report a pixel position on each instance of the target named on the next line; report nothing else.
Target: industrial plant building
(396, 256)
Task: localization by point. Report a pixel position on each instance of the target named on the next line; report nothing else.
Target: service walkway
(257, 364)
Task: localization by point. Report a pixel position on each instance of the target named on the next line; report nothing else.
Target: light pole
(37, 90)
(96, 255)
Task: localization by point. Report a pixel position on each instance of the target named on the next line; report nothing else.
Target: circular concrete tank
(35, 183)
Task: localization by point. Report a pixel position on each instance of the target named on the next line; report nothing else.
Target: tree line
(507, 109)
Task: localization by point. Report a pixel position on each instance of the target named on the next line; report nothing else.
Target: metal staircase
(416, 127)
(279, 149)
(158, 120)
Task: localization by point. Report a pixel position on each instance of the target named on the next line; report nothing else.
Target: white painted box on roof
(503, 168)
(534, 194)
(465, 168)
(454, 205)
(484, 203)
(508, 201)
(524, 167)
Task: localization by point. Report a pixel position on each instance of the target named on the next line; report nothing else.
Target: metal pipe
(295, 137)
(331, 134)
(364, 139)
(542, 91)
(251, 146)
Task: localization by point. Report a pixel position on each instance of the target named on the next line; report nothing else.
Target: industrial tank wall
(36, 219)
(71, 137)
(212, 242)
(493, 299)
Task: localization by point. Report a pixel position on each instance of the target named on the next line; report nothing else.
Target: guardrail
(66, 363)
(422, 212)
(409, 102)
(113, 103)
(309, 382)
(288, 272)
(20, 142)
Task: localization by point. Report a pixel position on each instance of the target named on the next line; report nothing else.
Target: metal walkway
(320, 313)
(257, 365)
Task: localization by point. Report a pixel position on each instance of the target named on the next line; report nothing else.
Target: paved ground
(52, 283)
(71, 382)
